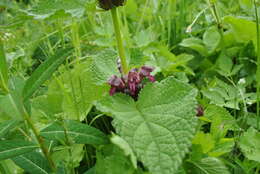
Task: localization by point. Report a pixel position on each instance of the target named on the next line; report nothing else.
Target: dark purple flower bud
(151, 78)
(133, 80)
(115, 81)
(146, 71)
(200, 111)
(112, 91)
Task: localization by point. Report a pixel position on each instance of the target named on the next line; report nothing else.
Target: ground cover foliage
(129, 87)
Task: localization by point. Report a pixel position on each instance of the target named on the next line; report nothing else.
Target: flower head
(109, 4)
(132, 83)
(200, 111)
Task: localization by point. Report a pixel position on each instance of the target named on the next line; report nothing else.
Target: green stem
(119, 40)
(40, 140)
(258, 67)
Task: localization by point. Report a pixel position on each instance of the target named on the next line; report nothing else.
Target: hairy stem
(258, 67)
(119, 40)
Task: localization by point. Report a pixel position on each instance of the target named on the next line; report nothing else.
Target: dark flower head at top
(109, 4)
(132, 83)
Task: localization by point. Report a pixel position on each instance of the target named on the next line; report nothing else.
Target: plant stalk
(40, 140)
(258, 67)
(119, 40)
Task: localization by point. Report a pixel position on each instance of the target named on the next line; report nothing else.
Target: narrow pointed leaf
(33, 163)
(3, 67)
(159, 127)
(12, 148)
(6, 126)
(44, 72)
(80, 133)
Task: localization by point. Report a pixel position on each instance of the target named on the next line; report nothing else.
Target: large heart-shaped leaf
(159, 127)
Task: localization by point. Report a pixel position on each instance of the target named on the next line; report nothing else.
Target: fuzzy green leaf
(33, 163)
(159, 127)
(12, 148)
(80, 133)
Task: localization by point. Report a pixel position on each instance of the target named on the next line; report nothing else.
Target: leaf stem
(119, 40)
(258, 67)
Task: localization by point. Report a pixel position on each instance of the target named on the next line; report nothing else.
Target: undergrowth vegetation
(129, 87)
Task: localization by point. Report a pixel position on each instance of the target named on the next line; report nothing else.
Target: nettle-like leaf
(159, 127)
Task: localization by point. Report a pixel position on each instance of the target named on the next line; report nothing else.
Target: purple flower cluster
(200, 111)
(132, 83)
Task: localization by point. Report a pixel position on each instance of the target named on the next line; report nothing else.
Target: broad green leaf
(209, 165)
(61, 154)
(247, 5)
(222, 94)
(91, 171)
(250, 144)
(123, 145)
(159, 127)
(221, 121)
(111, 160)
(12, 148)
(223, 146)
(74, 92)
(195, 44)
(80, 133)
(44, 72)
(206, 141)
(6, 126)
(3, 68)
(33, 163)
(241, 33)
(212, 39)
